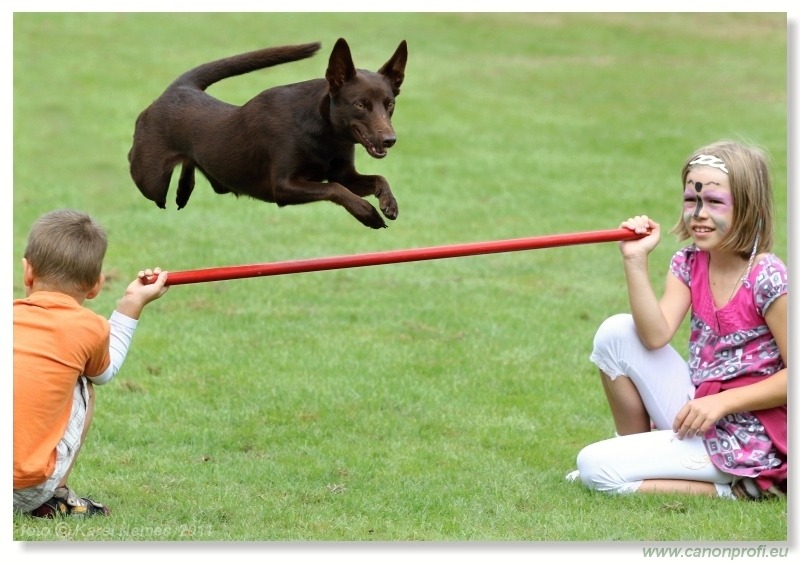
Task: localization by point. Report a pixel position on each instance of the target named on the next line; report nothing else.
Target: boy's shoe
(66, 503)
(746, 489)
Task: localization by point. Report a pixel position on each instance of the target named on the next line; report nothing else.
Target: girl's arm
(656, 320)
(698, 415)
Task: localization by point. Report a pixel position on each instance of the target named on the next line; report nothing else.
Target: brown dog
(289, 145)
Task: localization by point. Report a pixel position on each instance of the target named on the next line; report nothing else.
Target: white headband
(709, 160)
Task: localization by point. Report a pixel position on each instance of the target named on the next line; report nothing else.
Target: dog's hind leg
(185, 184)
(154, 186)
(151, 173)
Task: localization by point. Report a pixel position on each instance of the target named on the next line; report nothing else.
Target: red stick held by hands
(395, 256)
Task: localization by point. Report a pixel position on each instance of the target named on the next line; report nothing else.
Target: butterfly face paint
(711, 197)
(707, 200)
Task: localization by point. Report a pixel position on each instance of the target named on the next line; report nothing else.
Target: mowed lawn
(443, 400)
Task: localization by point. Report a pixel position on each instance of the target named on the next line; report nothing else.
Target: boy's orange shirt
(56, 340)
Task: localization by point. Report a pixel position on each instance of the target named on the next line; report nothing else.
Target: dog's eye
(360, 105)
(390, 106)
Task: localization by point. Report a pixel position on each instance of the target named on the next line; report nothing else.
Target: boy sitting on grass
(62, 349)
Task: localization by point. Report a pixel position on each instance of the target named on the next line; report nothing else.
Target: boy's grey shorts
(31, 498)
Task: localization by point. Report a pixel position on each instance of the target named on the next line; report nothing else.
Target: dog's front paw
(371, 218)
(389, 208)
(386, 200)
(375, 221)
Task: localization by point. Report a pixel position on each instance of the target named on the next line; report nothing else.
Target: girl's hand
(697, 416)
(640, 224)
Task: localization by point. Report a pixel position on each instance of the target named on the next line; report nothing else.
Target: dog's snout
(389, 141)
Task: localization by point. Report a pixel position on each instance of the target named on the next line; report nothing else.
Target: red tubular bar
(395, 256)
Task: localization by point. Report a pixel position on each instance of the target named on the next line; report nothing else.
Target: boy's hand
(139, 293)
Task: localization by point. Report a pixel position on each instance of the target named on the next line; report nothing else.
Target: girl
(719, 420)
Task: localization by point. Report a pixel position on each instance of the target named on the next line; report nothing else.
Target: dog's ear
(395, 68)
(340, 66)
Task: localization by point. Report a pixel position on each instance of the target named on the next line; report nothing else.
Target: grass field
(440, 401)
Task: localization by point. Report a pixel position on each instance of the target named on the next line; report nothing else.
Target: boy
(62, 349)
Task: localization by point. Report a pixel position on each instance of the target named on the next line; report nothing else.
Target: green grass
(442, 400)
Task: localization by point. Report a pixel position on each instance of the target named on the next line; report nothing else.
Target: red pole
(395, 256)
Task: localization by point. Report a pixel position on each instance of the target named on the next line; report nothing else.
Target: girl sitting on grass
(715, 424)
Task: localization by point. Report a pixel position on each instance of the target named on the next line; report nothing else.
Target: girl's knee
(612, 330)
(612, 343)
(588, 462)
(599, 470)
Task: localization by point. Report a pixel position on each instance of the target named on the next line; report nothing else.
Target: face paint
(716, 203)
(690, 199)
(698, 187)
(722, 226)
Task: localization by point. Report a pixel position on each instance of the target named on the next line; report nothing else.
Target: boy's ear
(97, 287)
(27, 273)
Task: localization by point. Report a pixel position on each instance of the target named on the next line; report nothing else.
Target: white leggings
(620, 464)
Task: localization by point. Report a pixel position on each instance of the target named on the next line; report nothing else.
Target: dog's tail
(207, 74)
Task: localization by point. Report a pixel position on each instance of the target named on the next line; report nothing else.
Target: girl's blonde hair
(751, 188)
(66, 248)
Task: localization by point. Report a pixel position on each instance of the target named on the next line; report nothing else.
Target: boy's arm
(125, 318)
(121, 333)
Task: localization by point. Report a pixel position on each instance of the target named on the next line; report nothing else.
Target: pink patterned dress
(731, 347)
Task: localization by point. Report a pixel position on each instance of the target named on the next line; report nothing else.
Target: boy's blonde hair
(66, 249)
(751, 188)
